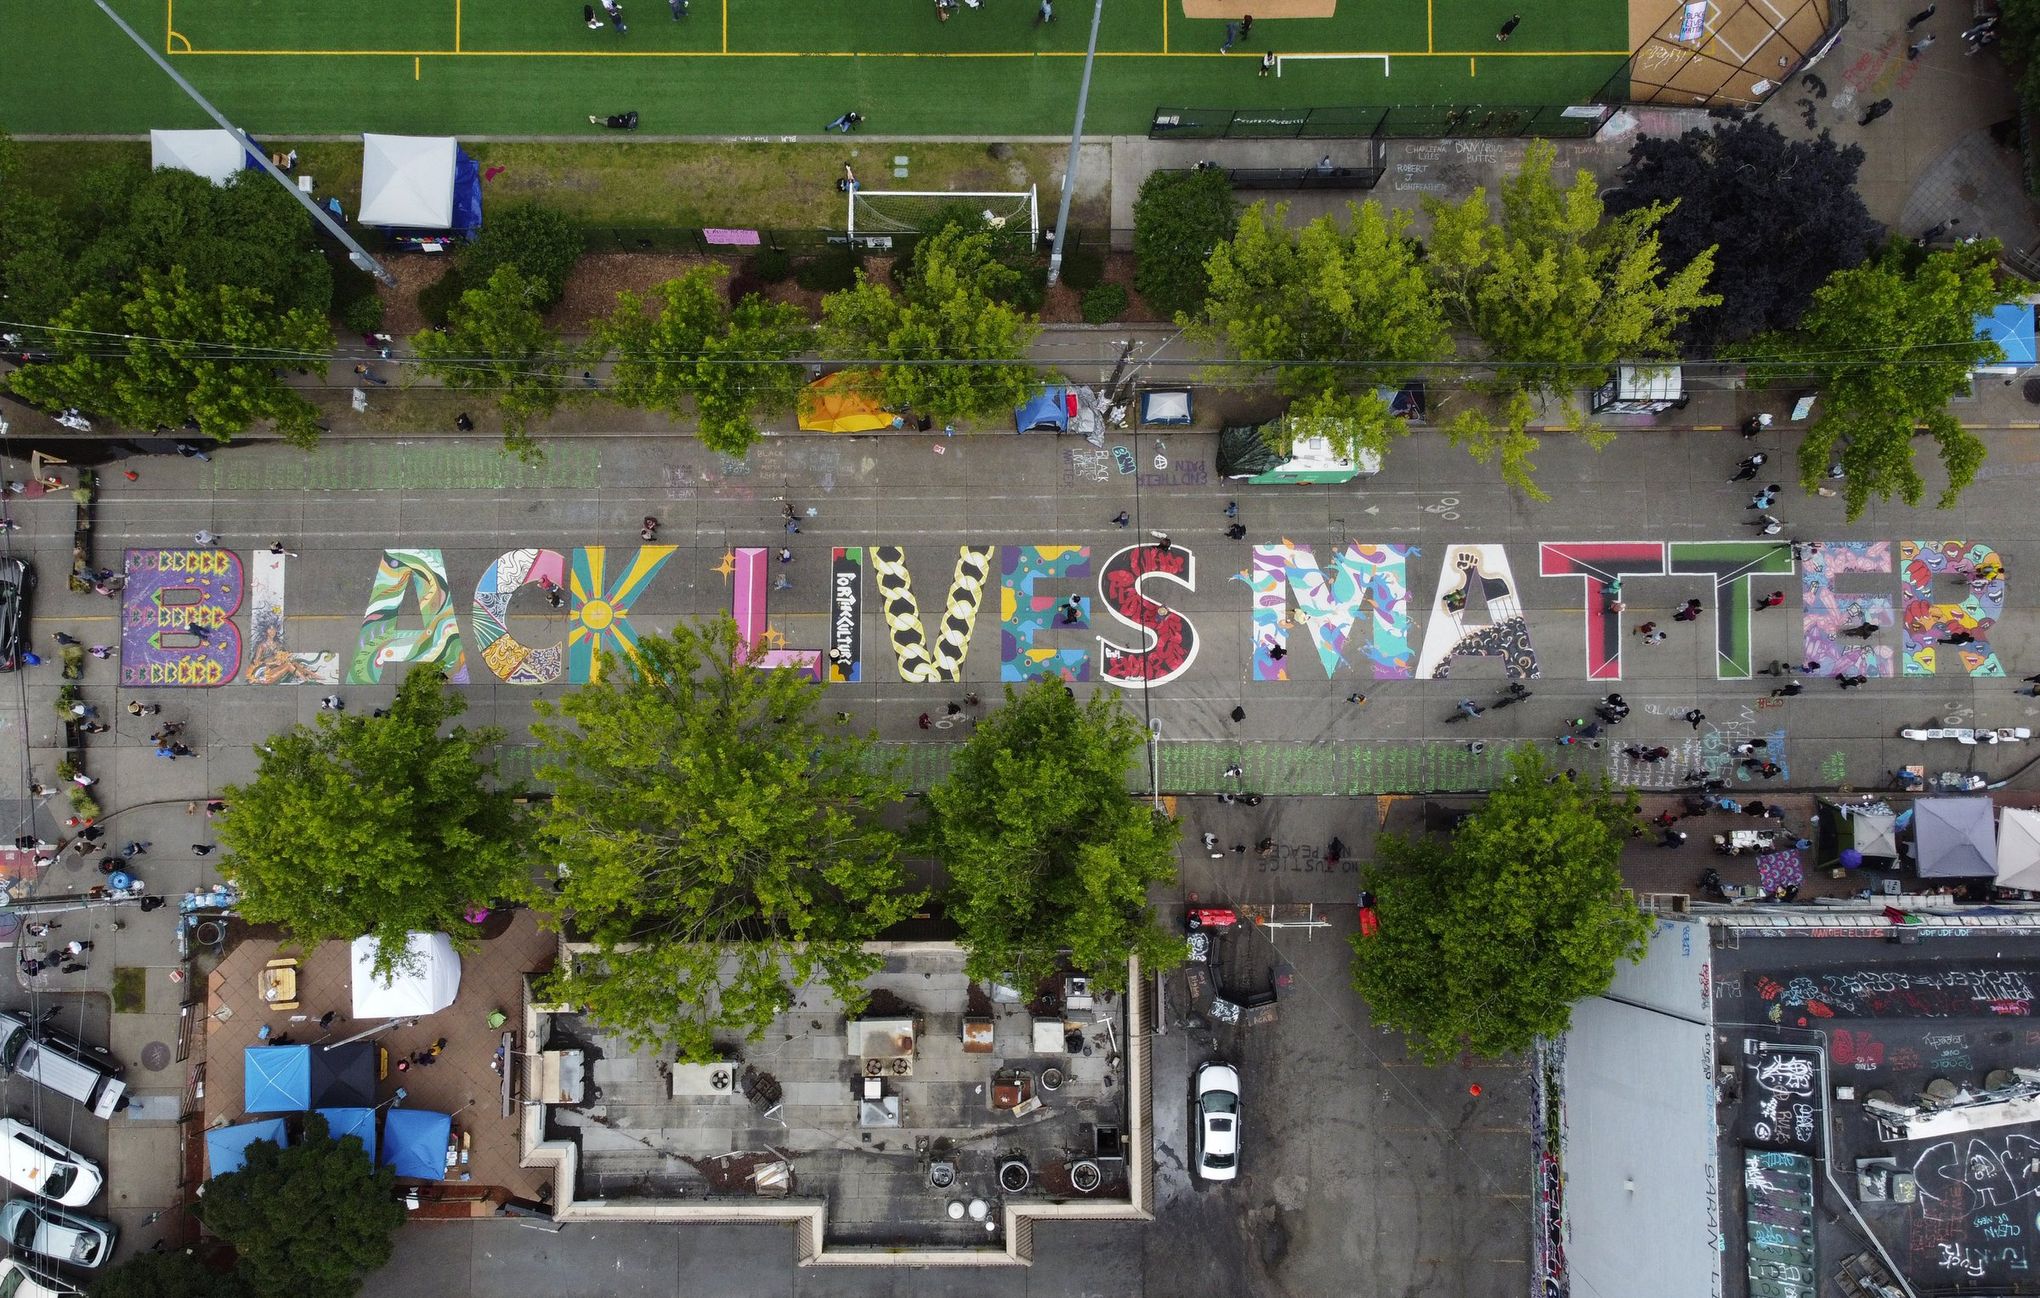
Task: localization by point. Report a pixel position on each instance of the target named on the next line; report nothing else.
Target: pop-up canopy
(1956, 838)
(216, 155)
(351, 1122)
(276, 1079)
(414, 1143)
(2011, 328)
(419, 182)
(425, 982)
(2018, 849)
(226, 1148)
(343, 1075)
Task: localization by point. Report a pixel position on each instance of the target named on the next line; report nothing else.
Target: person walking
(1232, 33)
(1746, 470)
(1767, 525)
(65, 638)
(1862, 630)
(1693, 717)
(1162, 542)
(204, 849)
(1508, 29)
(1246, 26)
(1850, 682)
(1875, 111)
(1765, 498)
(76, 947)
(1045, 14)
(464, 422)
(1919, 47)
(1237, 531)
(332, 703)
(1922, 15)
(1121, 519)
(1772, 600)
(362, 371)
(1790, 689)
(100, 651)
(785, 554)
(1690, 613)
(205, 536)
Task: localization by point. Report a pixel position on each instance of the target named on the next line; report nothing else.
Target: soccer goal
(1013, 217)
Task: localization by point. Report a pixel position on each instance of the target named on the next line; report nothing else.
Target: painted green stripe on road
(416, 466)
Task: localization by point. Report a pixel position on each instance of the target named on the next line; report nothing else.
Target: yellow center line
(456, 26)
(1430, 43)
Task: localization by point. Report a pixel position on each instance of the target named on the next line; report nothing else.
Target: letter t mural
(1599, 563)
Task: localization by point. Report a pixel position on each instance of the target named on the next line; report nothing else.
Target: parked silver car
(65, 1236)
(41, 1166)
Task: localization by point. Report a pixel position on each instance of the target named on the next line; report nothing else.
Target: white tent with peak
(216, 155)
(407, 180)
(424, 982)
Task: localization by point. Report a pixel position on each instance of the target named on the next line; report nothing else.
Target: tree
(541, 243)
(309, 1220)
(167, 350)
(1552, 288)
(1781, 216)
(1048, 857)
(1331, 313)
(729, 362)
(496, 343)
(1178, 218)
(718, 847)
(950, 309)
(1487, 940)
(166, 1275)
(1889, 343)
(376, 825)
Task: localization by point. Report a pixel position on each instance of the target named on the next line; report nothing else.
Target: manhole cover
(155, 1056)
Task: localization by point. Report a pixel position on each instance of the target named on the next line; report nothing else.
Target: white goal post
(903, 211)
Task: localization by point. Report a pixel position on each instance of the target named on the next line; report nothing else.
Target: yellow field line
(1430, 43)
(417, 74)
(170, 25)
(892, 54)
(725, 26)
(456, 26)
(1165, 25)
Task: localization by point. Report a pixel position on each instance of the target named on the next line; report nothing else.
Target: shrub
(832, 272)
(768, 265)
(437, 299)
(1083, 270)
(83, 804)
(1178, 218)
(1028, 290)
(539, 242)
(1104, 304)
(363, 315)
(355, 299)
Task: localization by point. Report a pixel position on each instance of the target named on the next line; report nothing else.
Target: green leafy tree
(308, 1221)
(1488, 939)
(1329, 313)
(172, 351)
(376, 825)
(1178, 218)
(1889, 343)
(1048, 857)
(952, 307)
(727, 362)
(719, 847)
(541, 243)
(166, 1275)
(496, 343)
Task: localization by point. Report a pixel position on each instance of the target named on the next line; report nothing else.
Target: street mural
(184, 624)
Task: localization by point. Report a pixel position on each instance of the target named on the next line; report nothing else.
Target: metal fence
(1420, 121)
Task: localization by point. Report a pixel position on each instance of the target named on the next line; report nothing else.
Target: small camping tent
(425, 981)
(276, 1079)
(832, 404)
(1048, 410)
(216, 155)
(1955, 837)
(351, 1122)
(2018, 849)
(343, 1075)
(226, 1148)
(2011, 328)
(420, 182)
(414, 1143)
(1165, 408)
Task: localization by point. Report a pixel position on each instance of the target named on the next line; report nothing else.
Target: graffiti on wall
(1477, 613)
(513, 662)
(1602, 566)
(1032, 603)
(1731, 565)
(846, 637)
(1365, 580)
(1963, 625)
(168, 594)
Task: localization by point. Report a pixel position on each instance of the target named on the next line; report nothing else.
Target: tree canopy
(541, 243)
(1487, 940)
(1178, 218)
(308, 1221)
(166, 1275)
(1045, 851)
(376, 825)
(1330, 313)
(1889, 343)
(953, 305)
(496, 343)
(718, 846)
(1779, 215)
(695, 349)
(166, 351)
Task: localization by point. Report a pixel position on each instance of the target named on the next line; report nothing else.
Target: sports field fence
(1407, 122)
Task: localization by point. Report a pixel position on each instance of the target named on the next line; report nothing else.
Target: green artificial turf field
(757, 67)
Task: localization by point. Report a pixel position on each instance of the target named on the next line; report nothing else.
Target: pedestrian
(1755, 424)
(66, 639)
(362, 371)
(1790, 689)
(649, 529)
(1232, 33)
(1919, 47)
(1656, 638)
(84, 710)
(137, 708)
(1045, 14)
(782, 582)
(1767, 525)
(615, 12)
(1922, 15)
(924, 721)
(1673, 838)
(332, 703)
(1746, 470)
(1246, 26)
(1850, 682)
(190, 452)
(1959, 637)
(204, 536)
(1267, 63)
(1862, 630)
(1356, 698)
(679, 8)
(1121, 519)
(1277, 653)
(207, 849)
(1772, 600)
(464, 422)
(1238, 713)
(130, 851)
(1689, 613)
(847, 123)
(1470, 708)
(1508, 29)
(1693, 717)
(183, 750)
(95, 728)
(1162, 542)
(276, 548)
(1237, 531)
(75, 947)
(785, 554)
(1875, 111)
(1643, 629)
(100, 651)
(1765, 498)
(166, 753)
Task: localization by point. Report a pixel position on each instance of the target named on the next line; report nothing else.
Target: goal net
(1014, 218)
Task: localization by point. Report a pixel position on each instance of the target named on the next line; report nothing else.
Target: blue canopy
(276, 1079)
(226, 1148)
(2011, 328)
(414, 1143)
(351, 1122)
(467, 194)
(1048, 408)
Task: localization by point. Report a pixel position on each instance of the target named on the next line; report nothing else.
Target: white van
(60, 1065)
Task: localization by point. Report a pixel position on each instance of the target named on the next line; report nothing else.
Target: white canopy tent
(2019, 849)
(407, 180)
(424, 983)
(216, 155)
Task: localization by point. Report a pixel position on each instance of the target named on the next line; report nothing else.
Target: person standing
(1121, 519)
(1693, 717)
(1246, 26)
(1508, 29)
(1919, 47)
(1267, 63)
(1875, 111)
(1045, 14)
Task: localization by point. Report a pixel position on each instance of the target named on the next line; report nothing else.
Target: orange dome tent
(832, 404)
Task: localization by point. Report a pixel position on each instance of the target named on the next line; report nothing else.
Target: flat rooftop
(864, 1114)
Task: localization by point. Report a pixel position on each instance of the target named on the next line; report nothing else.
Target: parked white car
(18, 1281)
(1218, 1122)
(30, 1227)
(41, 1166)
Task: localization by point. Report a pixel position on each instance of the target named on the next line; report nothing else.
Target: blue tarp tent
(226, 1148)
(414, 1143)
(276, 1079)
(2011, 328)
(351, 1122)
(1048, 409)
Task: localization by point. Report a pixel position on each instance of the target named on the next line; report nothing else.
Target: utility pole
(355, 252)
(1062, 213)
